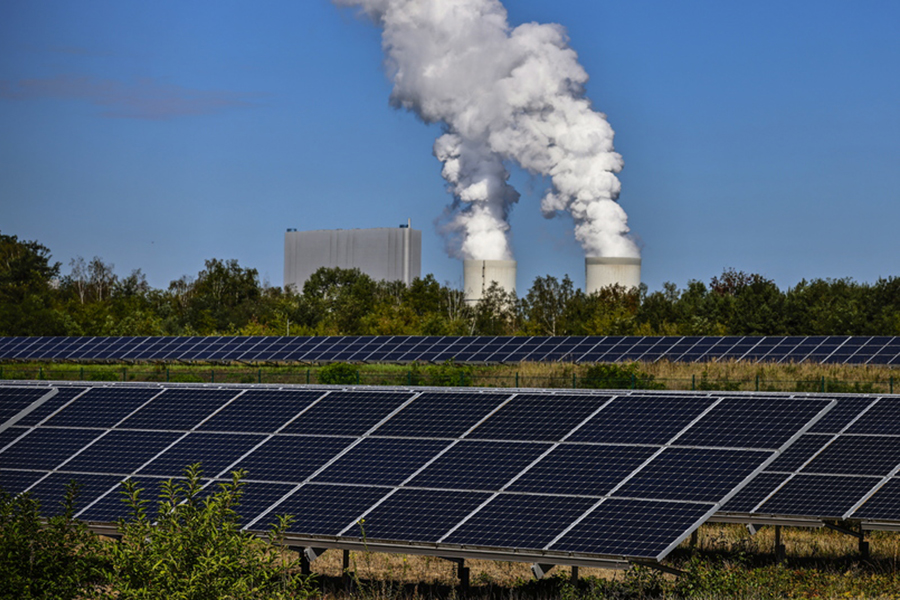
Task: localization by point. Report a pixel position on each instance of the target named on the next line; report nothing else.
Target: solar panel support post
(757, 382)
(167, 374)
(462, 572)
(345, 570)
(859, 535)
(779, 547)
(574, 573)
(540, 570)
(891, 380)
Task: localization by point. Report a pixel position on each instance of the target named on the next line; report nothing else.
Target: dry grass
(727, 560)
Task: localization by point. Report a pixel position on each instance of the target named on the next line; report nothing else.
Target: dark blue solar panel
(818, 496)
(121, 451)
(45, 449)
(436, 414)
(291, 458)
(582, 470)
(51, 491)
(632, 528)
(841, 415)
(884, 504)
(752, 423)
(63, 395)
(178, 409)
(520, 521)
(260, 411)
(348, 413)
(478, 465)
(14, 400)
(256, 499)
(13, 482)
(689, 474)
(102, 407)
(316, 511)
(214, 451)
(883, 419)
(113, 506)
(645, 419)
(799, 452)
(538, 417)
(381, 461)
(754, 492)
(858, 455)
(417, 515)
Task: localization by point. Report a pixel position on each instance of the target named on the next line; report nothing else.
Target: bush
(448, 373)
(338, 374)
(618, 376)
(56, 559)
(193, 548)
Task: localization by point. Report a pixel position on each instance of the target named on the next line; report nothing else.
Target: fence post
(307, 377)
(823, 384)
(124, 373)
(757, 382)
(82, 374)
(517, 379)
(357, 377)
(574, 381)
(632, 380)
(167, 374)
(259, 375)
(892, 381)
(41, 373)
(693, 382)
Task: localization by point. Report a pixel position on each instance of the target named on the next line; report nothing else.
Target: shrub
(193, 548)
(448, 373)
(618, 376)
(338, 374)
(56, 559)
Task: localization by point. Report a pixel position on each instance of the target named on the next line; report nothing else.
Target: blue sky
(761, 136)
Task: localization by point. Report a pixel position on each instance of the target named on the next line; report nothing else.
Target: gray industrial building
(384, 253)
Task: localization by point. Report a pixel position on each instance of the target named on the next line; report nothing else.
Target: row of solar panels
(571, 478)
(881, 350)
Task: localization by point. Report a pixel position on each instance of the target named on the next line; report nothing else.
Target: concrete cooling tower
(603, 272)
(479, 274)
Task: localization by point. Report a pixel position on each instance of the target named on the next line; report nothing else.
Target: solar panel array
(844, 467)
(600, 476)
(407, 349)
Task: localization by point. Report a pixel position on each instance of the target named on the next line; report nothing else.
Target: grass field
(662, 375)
(726, 563)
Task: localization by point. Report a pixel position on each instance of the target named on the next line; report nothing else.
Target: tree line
(38, 298)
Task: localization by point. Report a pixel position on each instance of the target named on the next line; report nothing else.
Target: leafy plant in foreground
(52, 558)
(194, 549)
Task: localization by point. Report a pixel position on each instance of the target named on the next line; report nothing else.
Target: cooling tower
(603, 272)
(478, 275)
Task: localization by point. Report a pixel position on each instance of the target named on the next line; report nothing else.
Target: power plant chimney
(603, 272)
(479, 274)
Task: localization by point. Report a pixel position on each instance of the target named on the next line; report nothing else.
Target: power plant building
(384, 253)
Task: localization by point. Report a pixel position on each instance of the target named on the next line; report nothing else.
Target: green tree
(27, 281)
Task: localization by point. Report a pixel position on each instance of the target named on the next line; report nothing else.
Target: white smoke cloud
(502, 94)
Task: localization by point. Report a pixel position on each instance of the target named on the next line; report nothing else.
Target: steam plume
(502, 94)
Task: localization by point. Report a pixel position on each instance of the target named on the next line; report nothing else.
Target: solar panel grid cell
(381, 461)
(690, 474)
(486, 466)
(316, 513)
(416, 515)
(291, 458)
(632, 528)
(14, 400)
(818, 496)
(348, 413)
(102, 407)
(120, 452)
(260, 411)
(519, 521)
(539, 418)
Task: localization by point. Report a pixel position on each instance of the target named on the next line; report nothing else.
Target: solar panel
(836, 471)
(523, 474)
(468, 349)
